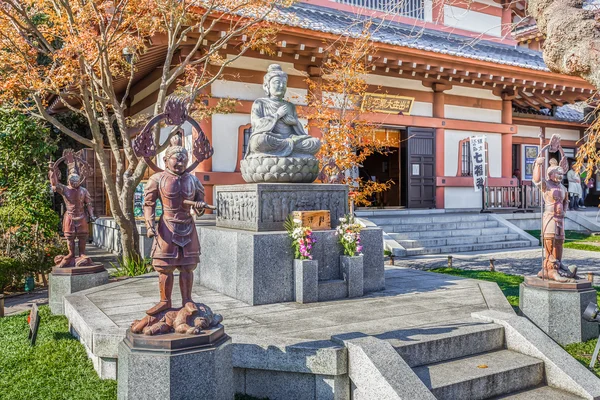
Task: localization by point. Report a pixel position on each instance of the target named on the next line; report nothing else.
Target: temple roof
(568, 112)
(338, 22)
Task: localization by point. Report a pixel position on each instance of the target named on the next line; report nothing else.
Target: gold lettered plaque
(387, 103)
(315, 220)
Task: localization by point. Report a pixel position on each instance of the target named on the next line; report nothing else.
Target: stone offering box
(248, 254)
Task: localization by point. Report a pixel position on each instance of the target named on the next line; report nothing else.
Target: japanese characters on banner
(478, 161)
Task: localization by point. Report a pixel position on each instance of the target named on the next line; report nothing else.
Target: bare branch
(44, 113)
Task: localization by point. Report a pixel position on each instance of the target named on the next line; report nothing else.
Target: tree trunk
(130, 240)
(572, 44)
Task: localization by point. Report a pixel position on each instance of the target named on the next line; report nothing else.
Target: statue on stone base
(555, 200)
(79, 208)
(176, 244)
(279, 150)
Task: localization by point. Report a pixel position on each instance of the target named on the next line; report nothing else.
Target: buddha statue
(279, 150)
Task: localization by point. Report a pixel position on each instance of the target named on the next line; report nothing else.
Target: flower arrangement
(349, 235)
(302, 238)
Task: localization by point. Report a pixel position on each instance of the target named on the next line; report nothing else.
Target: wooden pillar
(506, 21)
(206, 165)
(507, 138)
(437, 12)
(315, 75)
(438, 112)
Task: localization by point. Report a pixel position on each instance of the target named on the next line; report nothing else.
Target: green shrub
(131, 267)
(12, 272)
(28, 237)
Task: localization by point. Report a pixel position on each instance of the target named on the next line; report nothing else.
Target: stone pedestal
(556, 308)
(176, 366)
(64, 281)
(352, 270)
(306, 277)
(265, 206)
(258, 267)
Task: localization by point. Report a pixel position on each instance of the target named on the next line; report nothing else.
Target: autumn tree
(82, 55)
(572, 47)
(335, 106)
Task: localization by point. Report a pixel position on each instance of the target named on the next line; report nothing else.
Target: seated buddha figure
(276, 131)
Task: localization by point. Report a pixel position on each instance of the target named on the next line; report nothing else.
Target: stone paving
(518, 262)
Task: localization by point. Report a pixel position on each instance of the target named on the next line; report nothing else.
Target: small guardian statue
(279, 150)
(78, 203)
(555, 199)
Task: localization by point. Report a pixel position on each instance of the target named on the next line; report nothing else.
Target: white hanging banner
(478, 161)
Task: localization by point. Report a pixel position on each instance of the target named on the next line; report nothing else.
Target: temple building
(469, 69)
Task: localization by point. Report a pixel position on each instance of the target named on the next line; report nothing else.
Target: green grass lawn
(577, 240)
(57, 367)
(509, 284)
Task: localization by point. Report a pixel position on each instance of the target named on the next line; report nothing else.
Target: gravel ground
(517, 262)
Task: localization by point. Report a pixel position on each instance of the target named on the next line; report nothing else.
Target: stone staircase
(443, 233)
(471, 362)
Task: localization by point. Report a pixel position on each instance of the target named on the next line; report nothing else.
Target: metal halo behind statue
(82, 166)
(175, 114)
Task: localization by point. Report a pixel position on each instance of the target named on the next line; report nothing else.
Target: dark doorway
(420, 167)
(383, 168)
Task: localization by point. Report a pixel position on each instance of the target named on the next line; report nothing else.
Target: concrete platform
(100, 316)
(309, 351)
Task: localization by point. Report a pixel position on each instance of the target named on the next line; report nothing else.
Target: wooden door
(420, 168)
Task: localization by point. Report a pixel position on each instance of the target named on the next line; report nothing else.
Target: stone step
(541, 393)
(431, 234)
(367, 213)
(421, 346)
(432, 219)
(461, 240)
(404, 227)
(513, 244)
(482, 376)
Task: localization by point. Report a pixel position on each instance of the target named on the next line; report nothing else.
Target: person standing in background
(584, 187)
(574, 187)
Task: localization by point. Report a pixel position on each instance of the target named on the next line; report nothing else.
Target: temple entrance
(419, 164)
(383, 168)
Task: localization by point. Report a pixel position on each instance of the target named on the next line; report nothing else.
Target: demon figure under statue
(555, 201)
(78, 205)
(176, 244)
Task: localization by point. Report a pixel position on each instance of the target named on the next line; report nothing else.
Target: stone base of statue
(176, 366)
(258, 267)
(248, 255)
(556, 308)
(64, 281)
(265, 206)
(280, 169)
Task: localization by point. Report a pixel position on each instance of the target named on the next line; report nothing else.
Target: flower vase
(306, 281)
(352, 270)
